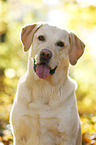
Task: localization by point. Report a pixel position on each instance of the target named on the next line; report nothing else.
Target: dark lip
(52, 71)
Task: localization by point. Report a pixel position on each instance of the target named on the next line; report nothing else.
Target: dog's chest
(45, 93)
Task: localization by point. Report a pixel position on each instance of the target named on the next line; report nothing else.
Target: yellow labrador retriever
(44, 111)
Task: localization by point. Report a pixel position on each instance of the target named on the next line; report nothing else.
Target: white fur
(44, 110)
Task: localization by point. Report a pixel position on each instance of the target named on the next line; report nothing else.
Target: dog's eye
(41, 38)
(60, 44)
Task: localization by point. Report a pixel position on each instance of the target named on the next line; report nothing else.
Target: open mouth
(42, 70)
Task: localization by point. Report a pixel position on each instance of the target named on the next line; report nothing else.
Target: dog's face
(51, 47)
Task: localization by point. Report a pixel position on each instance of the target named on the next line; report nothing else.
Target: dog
(44, 111)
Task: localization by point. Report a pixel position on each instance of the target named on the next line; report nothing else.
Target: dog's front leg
(24, 126)
(26, 130)
(71, 138)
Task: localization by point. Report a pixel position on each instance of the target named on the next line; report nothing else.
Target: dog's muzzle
(42, 69)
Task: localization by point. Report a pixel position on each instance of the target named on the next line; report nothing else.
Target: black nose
(45, 55)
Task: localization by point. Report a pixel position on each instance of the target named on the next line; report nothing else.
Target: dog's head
(51, 47)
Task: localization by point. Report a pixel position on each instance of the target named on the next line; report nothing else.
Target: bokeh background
(76, 15)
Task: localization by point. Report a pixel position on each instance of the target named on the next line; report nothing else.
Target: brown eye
(60, 44)
(41, 38)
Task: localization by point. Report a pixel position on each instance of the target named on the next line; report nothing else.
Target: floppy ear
(27, 34)
(76, 48)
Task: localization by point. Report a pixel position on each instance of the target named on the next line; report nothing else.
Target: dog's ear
(27, 34)
(76, 48)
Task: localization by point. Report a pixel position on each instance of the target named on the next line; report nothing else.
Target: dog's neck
(53, 84)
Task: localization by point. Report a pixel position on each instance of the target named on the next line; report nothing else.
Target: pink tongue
(42, 71)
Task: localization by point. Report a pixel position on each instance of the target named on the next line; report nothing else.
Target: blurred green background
(76, 15)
